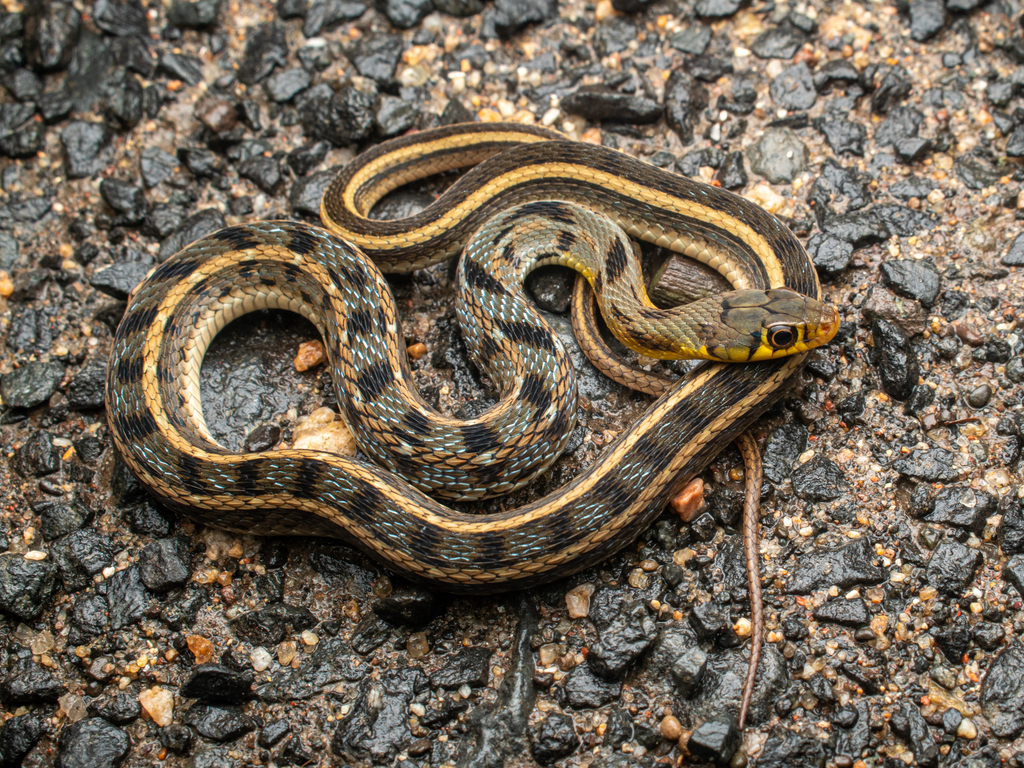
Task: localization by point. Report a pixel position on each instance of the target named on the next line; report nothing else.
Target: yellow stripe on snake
(532, 199)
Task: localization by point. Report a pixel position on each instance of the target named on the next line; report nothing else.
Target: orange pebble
(311, 354)
(690, 501)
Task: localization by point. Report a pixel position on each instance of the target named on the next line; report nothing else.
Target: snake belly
(153, 394)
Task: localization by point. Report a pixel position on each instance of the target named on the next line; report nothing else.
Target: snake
(529, 197)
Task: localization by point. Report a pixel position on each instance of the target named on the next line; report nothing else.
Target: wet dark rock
(216, 683)
(901, 123)
(1013, 574)
(912, 149)
(193, 15)
(819, 479)
(717, 9)
(551, 289)
(613, 35)
(470, 666)
(732, 175)
(325, 15)
(684, 99)
(84, 144)
(836, 185)
(934, 466)
(462, 9)
(118, 280)
(626, 631)
(378, 57)
(31, 384)
(976, 171)
(404, 14)
(23, 142)
(989, 636)
(18, 736)
(273, 732)
(395, 116)
(37, 456)
(844, 136)
(882, 304)
(176, 737)
(849, 613)
(787, 749)
(1015, 143)
(28, 683)
(794, 88)
(59, 517)
(778, 43)
(1011, 530)
(962, 506)
(180, 611)
(894, 359)
(180, 66)
(51, 32)
(1014, 256)
(264, 172)
(25, 585)
(23, 85)
(553, 738)
(915, 279)
(677, 656)
(952, 567)
(270, 625)
(127, 597)
(903, 221)
(165, 564)
(119, 710)
(409, 606)
(86, 391)
(712, 623)
(266, 49)
(844, 567)
(121, 18)
(156, 166)
(306, 193)
(219, 723)
(927, 18)
(126, 199)
(912, 186)
(834, 72)
(201, 163)
(779, 155)
(715, 741)
(910, 726)
(831, 256)
(585, 690)
(81, 555)
(598, 102)
(92, 743)
(512, 16)
(346, 118)
(1002, 693)
(377, 726)
(199, 225)
(693, 40)
(284, 86)
(307, 157)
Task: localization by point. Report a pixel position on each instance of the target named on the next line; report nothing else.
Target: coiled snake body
(153, 392)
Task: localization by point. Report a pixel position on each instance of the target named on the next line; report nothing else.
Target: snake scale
(532, 198)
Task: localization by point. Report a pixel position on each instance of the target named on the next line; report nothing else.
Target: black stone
(266, 49)
(844, 567)
(715, 741)
(155, 166)
(28, 683)
(120, 279)
(626, 631)
(325, 15)
(831, 256)
(693, 40)
(778, 43)
(270, 625)
(470, 666)
(934, 465)
(119, 710)
(553, 738)
(31, 384)
(894, 359)
(512, 16)
(264, 172)
(165, 564)
(59, 517)
(585, 690)
(84, 145)
(193, 15)
(819, 479)
(409, 606)
(952, 567)
(217, 684)
(94, 742)
(1011, 530)
(51, 33)
(844, 136)
(850, 613)
(927, 18)
(781, 450)
(598, 102)
(305, 194)
(961, 506)
(915, 279)
(18, 736)
(25, 585)
(127, 597)
(793, 89)
(404, 14)
(903, 221)
(1014, 256)
(732, 175)
(219, 723)
(180, 66)
(378, 57)
(1002, 693)
(685, 98)
(126, 199)
(284, 86)
(346, 118)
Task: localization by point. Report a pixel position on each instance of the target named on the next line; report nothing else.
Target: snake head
(762, 325)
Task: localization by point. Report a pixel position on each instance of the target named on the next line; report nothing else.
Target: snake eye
(782, 337)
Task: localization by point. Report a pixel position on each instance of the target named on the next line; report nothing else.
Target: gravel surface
(887, 136)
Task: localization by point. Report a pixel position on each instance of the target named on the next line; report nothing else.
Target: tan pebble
(591, 136)
(321, 432)
(416, 351)
(547, 654)
(201, 648)
(218, 115)
(638, 579)
(417, 645)
(158, 705)
(286, 652)
(967, 729)
(742, 628)
(670, 728)
(577, 600)
(310, 355)
(6, 285)
(689, 502)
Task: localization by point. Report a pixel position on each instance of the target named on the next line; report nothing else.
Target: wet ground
(886, 137)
